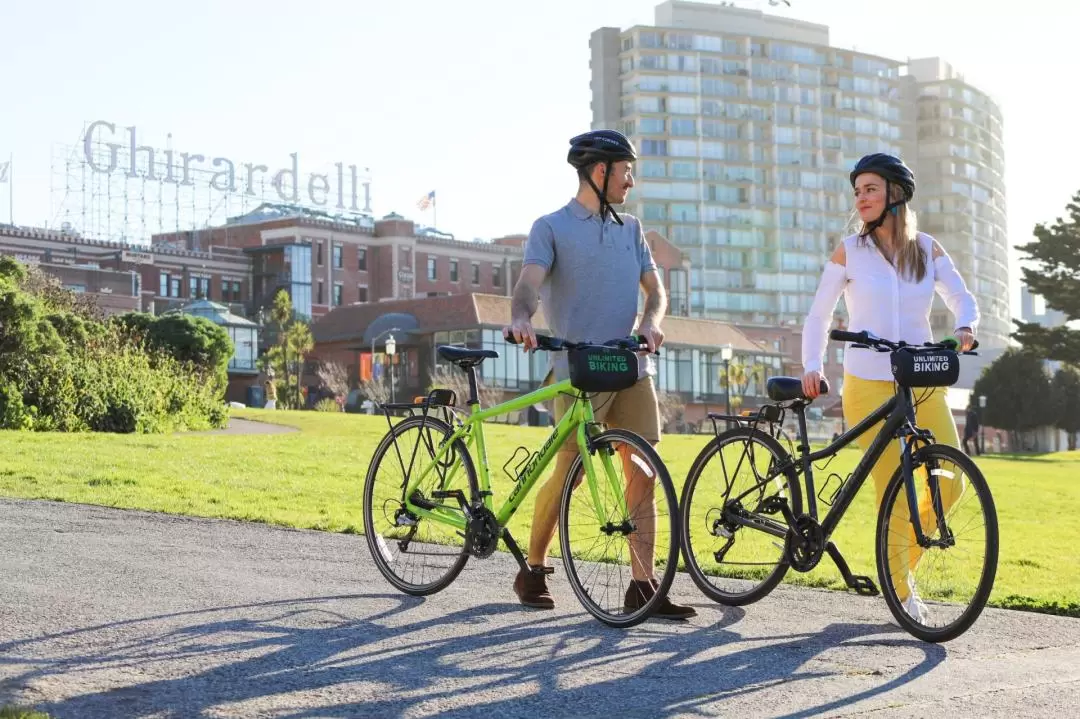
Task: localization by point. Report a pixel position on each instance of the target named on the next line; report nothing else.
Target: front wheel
(937, 590)
(622, 528)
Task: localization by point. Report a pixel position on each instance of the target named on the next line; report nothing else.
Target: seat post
(474, 398)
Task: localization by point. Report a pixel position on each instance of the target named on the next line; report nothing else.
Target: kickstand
(522, 562)
(862, 585)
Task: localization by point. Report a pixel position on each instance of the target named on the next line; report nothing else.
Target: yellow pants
(863, 396)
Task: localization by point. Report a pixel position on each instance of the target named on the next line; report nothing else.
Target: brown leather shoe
(640, 592)
(532, 590)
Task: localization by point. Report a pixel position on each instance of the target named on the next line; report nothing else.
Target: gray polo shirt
(594, 277)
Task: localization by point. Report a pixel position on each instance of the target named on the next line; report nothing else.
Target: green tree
(1018, 395)
(1056, 277)
(286, 356)
(186, 338)
(1065, 389)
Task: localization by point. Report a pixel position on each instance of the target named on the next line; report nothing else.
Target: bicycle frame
(898, 416)
(577, 421)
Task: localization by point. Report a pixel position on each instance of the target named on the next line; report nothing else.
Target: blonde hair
(910, 258)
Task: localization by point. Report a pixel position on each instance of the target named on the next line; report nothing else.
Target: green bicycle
(429, 504)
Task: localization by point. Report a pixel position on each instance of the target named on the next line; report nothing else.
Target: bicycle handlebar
(869, 340)
(558, 344)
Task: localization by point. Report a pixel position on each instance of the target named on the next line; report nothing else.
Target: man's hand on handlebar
(520, 331)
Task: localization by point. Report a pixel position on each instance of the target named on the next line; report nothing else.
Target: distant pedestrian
(971, 431)
(271, 391)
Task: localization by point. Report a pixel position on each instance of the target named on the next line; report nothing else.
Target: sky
(475, 100)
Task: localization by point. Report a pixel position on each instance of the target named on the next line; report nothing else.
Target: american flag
(426, 201)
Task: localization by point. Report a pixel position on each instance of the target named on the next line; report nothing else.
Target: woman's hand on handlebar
(965, 337)
(811, 384)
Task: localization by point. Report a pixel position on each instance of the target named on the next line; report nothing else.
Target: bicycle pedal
(863, 586)
(542, 570)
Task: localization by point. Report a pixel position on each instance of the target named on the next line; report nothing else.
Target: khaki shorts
(635, 409)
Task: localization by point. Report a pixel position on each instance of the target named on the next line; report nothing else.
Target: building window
(496, 275)
(338, 255)
(431, 273)
(338, 288)
(174, 286)
(475, 273)
(512, 369)
(361, 259)
(199, 287)
(453, 271)
(318, 253)
(679, 293)
(163, 287)
(361, 294)
(319, 296)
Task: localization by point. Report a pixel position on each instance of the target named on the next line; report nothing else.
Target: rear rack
(437, 400)
(771, 414)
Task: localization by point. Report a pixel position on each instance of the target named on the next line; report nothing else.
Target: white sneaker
(913, 605)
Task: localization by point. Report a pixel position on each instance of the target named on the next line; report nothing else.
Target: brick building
(356, 277)
(689, 365)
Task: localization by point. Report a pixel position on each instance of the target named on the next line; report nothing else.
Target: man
(588, 265)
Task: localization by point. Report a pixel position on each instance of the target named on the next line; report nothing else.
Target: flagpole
(11, 189)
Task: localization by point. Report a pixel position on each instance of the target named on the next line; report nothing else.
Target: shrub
(328, 404)
(63, 369)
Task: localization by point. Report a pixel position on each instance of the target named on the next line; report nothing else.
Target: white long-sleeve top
(879, 300)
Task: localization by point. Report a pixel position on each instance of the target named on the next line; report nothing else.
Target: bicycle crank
(482, 533)
(805, 544)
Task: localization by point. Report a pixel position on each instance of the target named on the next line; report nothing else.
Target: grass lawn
(314, 478)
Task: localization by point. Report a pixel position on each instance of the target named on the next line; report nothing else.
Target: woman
(888, 273)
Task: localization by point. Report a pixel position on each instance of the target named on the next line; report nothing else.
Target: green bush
(62, 368)
(328, 404)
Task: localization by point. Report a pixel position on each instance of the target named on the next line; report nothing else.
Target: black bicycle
(745, 485)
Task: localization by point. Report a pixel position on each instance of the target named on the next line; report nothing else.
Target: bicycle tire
(711, 449)
(664, 483)
(386, 445)
(989, 571)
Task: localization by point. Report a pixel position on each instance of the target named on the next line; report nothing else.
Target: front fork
(909, 444)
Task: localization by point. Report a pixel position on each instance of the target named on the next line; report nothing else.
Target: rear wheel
(418, 555)
(733, 475)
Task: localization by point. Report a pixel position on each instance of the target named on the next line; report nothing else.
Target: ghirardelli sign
(168, 166)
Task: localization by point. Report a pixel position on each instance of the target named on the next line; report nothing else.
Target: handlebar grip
(642, 344)
(541, 340)
(845, 336)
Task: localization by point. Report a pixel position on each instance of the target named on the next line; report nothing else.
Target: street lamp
(391, 348)
(982, 423)
(726, 353)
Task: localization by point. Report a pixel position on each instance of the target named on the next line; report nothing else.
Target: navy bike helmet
(606, 146)
(893, 170)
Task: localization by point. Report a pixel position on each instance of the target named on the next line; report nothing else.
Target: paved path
(107, 613)
(249, 426)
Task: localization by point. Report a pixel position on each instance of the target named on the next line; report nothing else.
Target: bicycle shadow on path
(315, 657)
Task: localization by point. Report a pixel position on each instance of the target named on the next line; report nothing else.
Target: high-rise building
(748, 125)
(961, 200)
